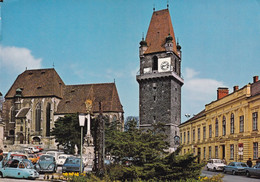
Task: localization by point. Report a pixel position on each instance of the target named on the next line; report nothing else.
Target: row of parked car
(20, 164)
(233, 167)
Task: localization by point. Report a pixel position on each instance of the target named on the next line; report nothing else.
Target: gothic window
(232, 127)
(48, 119)
(241, 124)
(224, 126)
(38, 117)
(12, 114)
(255, 115)
(216, 128)
(155, 63)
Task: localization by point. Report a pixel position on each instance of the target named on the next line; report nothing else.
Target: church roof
(75, 96)
(37, 83)
(160, 27)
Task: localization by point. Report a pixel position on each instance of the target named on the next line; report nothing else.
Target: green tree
(67, 132)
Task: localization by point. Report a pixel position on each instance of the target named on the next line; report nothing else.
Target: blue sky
(97, 41)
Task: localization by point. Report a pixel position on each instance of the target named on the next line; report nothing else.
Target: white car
(55, 154)
(215, 165)
(34, 149)
(61, 159)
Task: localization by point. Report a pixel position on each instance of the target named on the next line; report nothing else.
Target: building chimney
(235, 88)
(222, 92)
(255, 78)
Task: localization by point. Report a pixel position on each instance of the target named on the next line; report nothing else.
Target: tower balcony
(156, 75)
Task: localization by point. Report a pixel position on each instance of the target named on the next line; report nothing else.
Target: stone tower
(160, 78)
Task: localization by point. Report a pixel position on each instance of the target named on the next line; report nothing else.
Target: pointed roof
(37, 83)
(160, 27)
(75, 96)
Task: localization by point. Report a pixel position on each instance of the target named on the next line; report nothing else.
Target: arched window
(232, 127)
(155, 63)
(12, 114)
(216, 128)
(21, 128)
(38, 117)
(11, 132)
(48, 119)
(224, 126)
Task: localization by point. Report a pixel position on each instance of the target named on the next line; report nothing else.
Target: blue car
(236, 167)
(46, 164)
(19, 168)
(72, 164)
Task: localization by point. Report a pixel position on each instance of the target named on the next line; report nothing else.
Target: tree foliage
(145, 151)
(67, 132)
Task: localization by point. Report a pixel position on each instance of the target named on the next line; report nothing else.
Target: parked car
(236, 167)
(253, 171)
(39, 148)
(33, 158)
(72, 164)
(61, 159)
(55, 154)
(19, 168)
(46, 163)
(34, 149)
(215, 165)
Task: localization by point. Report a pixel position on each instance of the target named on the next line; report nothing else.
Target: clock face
(165, 65)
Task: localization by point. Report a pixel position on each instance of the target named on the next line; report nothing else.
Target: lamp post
(81, 124)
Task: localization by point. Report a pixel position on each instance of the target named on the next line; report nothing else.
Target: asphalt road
(231, 178)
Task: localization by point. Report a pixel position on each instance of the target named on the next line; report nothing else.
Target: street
(230, 177)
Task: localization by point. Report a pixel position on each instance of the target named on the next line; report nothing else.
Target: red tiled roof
(37, 83)
(75, 96)
(160, 27)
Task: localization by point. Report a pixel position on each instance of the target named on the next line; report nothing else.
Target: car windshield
(217, 161)
(73, 161)
(46, 158)
(241, 165)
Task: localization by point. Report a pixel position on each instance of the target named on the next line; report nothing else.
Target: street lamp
(81, 124)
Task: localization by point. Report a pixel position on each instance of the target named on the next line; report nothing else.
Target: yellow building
(227, 128)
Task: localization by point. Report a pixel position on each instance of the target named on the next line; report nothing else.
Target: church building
(39, 97)
(159, 77)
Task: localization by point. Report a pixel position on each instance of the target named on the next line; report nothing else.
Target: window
(216, 152)
(224, 126)
(184, 135)
(184, 151)
(155, 63)
(204, 132)
(255, 115)
(204, 152)
(216, 128)
(193, 134)
(210, 131)
(188, 136)
(38, 117)
(232, 151)
(12, 115)
(48, 119)
(241, 124)
(198, 134)
(209, 152)
(255, 150)
(181, 138)
(232, 127)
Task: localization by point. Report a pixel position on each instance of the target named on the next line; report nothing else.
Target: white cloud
(197, 92)
(17, 59)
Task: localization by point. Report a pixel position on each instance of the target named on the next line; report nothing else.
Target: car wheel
(214, 169)
(207, 169)
(234, 172)
(1, 175)
(248, 174)
(224, 171)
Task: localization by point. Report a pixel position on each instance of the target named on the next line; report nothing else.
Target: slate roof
(37, 83)
(75, 96)
(160, 27)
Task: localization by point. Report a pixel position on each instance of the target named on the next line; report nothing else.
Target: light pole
(81, 124)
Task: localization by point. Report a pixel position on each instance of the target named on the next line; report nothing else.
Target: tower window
(154, 98)
(155, 63)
